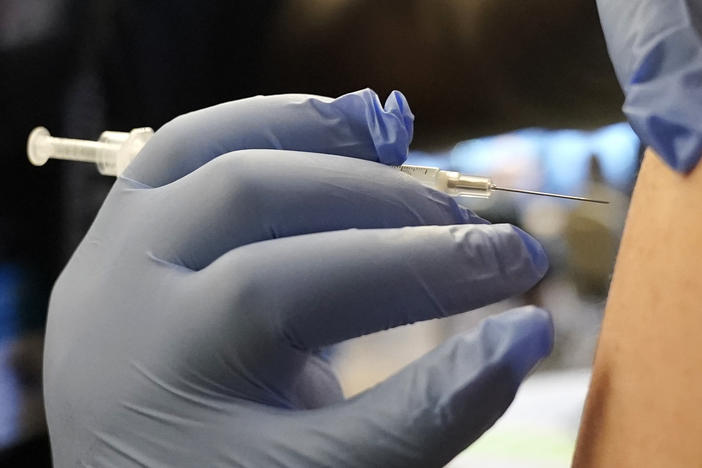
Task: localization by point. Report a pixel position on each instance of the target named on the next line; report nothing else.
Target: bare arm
(644, 406)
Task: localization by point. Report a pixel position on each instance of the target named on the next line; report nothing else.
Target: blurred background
(519, 91)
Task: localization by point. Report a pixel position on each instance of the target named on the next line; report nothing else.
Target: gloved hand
(656, 49)
(186, 328)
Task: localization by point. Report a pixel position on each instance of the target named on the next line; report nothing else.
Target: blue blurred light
(565, 158)
(562, 154)
(9, 299)
(10, 278)
(618, 149)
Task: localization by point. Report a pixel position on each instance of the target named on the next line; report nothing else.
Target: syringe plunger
(111, 153)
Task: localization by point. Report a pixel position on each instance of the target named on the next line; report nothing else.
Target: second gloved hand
(656, 49)
(243, 239)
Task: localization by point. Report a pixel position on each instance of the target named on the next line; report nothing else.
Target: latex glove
(656, 49)
(185, 329)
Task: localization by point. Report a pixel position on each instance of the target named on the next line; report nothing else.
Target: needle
(545, 194)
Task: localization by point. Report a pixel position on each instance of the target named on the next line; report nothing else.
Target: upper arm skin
(644, 406)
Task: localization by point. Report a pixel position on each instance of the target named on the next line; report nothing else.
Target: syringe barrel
(430, 176)
(128, 144)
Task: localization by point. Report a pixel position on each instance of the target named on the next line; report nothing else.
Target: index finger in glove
(355, 125)
(255, 195)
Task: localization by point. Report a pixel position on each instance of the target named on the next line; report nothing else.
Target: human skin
(644, 406)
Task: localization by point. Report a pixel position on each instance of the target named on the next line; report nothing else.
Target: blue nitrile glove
(186, 329)
(656, 48)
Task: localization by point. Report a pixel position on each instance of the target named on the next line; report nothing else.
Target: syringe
(114, 151)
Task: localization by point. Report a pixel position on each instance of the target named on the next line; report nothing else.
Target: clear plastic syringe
(114, 151)
(111, 153)
(455, 183)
